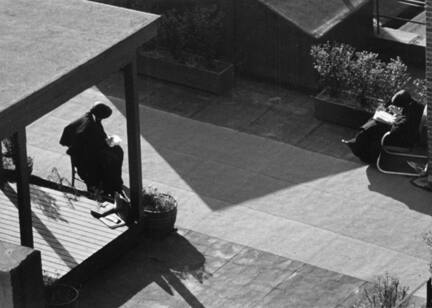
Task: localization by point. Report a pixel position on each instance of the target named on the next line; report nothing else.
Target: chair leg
(378, 165)
(73, 176)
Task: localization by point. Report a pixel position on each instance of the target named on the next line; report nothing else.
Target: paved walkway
(328, 212)
(194, 270)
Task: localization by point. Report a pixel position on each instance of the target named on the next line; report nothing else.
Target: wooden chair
(417, 153)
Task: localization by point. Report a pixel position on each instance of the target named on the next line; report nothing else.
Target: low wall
(21, 283)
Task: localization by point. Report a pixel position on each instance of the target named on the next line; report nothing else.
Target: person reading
(401, 116)
(97, 157)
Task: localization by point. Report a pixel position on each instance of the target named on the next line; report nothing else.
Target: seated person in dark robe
(97, 159)
(404, 129)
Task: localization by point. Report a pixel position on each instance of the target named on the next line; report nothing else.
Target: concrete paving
(193, 269)
(293, 201)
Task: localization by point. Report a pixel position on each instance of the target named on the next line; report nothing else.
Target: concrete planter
(334, 110)
(219, 81)
(159, 224)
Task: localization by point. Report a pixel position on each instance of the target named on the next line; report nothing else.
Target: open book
(384, 117)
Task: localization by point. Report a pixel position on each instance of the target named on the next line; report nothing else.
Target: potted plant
(59, 295)
(185, 51)
(355, 82)
(160, 212)
(8, 156)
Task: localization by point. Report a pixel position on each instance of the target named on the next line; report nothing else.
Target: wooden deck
(63, 229)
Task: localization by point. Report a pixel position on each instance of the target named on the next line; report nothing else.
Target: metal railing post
(429, 293)
(377, 16)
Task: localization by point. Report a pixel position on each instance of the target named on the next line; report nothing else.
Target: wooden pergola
(52, 50)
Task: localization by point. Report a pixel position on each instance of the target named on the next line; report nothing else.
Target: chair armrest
(384, 138)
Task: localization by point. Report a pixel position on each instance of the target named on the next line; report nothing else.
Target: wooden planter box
(333, 110)
(217, 82)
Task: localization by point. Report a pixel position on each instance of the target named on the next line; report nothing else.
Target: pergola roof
(314, 17)
(50, 50)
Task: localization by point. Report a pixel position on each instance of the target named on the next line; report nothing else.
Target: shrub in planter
(160, 212)
(356, 82)
(358, 74)
(333, 63)
(185, 51)
(191, 36)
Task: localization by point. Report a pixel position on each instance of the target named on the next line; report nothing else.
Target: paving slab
(287, 126)
(306, 289)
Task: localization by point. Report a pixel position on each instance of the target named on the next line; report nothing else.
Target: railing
(411, 3)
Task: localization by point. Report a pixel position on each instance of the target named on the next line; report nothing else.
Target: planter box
(217, 82)
(333, 110)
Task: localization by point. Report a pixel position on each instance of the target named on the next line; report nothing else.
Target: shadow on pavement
(222, 164)
(157, 266)
(399, 188)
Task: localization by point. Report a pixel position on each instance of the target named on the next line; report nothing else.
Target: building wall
(271, 47)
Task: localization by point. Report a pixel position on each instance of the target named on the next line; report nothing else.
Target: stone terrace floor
(256, 172)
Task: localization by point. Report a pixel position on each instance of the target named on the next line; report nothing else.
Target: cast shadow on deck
(162, 264)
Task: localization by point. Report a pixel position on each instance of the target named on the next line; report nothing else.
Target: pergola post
(429, 84)
(133, 136)
(23, 188)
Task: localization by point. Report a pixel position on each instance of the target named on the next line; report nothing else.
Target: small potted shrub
(354, 82)
(160, 212)
(59, 295)
(185, 51)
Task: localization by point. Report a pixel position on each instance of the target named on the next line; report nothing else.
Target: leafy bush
(190, 33)
(360, 74)
(419, 91)
(204, 31)
(333, 63)
(172, 34)
(386, 293)
(155, 201)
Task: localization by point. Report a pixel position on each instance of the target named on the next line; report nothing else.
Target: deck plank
(63, 229)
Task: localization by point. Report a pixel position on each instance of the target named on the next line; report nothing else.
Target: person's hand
(399, 120)
(380, 107)
(113, 140)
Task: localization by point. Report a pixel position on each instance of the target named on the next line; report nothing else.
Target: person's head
(100, 110)
(401, 99)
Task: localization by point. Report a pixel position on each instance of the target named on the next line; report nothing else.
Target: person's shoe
(350, 141)
(421, 169)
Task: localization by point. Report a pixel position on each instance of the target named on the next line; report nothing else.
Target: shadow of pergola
(165, 263)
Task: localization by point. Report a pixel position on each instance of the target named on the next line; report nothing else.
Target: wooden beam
(23, 188)
(133, 135)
